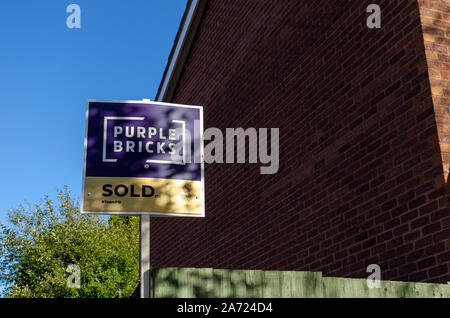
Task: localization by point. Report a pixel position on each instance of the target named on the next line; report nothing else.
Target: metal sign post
(144, 255)
(144, 252)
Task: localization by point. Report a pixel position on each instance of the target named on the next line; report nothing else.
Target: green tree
(39, 242)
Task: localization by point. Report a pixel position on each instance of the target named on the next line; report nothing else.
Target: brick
(435, 90)
(444, 257)
(432, 228)
(438, 270)
(426, 263)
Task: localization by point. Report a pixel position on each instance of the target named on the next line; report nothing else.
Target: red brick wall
(435, 18)
(361, 176)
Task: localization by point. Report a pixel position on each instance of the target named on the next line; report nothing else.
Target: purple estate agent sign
(143, 158)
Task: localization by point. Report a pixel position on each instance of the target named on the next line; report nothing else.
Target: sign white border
(201, 214)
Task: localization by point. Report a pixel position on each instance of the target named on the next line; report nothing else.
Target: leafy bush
(39, 241)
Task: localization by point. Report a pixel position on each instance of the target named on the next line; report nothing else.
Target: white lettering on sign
(154, 139)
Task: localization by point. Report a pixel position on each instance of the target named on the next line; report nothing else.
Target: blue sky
(47, 71)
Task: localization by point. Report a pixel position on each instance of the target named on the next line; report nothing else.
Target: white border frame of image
(200, 108)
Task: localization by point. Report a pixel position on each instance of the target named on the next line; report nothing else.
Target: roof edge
(180, 49)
